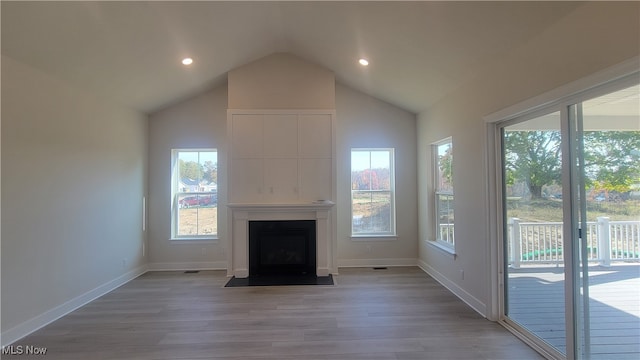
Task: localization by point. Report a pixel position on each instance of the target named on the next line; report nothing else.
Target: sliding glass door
(533, 214)
(571, 215)
(607, 278)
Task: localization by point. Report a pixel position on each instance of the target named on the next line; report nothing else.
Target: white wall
(281, 81)
(595, 36)
(73, 178)
(362, 121)
(366, 122)
(199, 122)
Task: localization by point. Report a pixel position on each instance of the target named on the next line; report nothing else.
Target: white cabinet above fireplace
(281, 156)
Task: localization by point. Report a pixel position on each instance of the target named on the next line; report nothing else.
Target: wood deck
(536, 300)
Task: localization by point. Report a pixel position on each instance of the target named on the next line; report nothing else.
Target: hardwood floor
(398, 313)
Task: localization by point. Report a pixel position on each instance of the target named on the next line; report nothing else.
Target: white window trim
(437, 241)
(174, 206)
(373, 237)
(445, 247)
(376, 236)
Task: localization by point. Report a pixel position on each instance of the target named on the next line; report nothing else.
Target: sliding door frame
(615, 78)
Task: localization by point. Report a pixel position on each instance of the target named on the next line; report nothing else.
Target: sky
(204, 156)
(367, 159)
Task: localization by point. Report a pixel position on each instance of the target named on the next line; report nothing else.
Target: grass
(550, 210)
(198, 221)
(545, 245)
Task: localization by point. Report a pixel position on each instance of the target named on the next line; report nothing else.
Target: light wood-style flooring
(398, 313)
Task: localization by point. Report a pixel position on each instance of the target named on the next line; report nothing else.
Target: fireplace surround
(243, 214)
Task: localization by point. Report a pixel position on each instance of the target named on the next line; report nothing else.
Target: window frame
(438, 193)
(391, 234)
(175, 194)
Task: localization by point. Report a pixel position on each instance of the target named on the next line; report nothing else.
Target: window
(372, 192)
(443, 179)
(194, 194)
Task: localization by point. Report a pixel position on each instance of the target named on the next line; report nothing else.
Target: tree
(533, 157)
(190, 170)
(612, 159)
(371, 179)
(211, 172)
(445, 164)
(364, 180)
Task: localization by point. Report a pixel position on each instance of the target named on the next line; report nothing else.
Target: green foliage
(445, 163)
(610, 160)
(532, 157)
(195, 171)
(210, 172)
(551, 210)
(190, 169)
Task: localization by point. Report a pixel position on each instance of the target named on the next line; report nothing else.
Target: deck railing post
(515, 242)
(604, 241)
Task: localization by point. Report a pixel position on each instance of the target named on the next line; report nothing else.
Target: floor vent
(380, 268)
(192, 271)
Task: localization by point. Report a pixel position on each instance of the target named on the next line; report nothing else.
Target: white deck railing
(446, 233)
(541, 242)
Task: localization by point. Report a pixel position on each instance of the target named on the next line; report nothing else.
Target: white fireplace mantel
(241, 214)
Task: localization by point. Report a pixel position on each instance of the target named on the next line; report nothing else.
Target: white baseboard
(18, 332)
(376, 262)
(469, 299)
(180, 266)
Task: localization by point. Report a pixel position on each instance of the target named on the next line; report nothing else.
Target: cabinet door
(281, 180)
(315, 136)
(247, 178)
(280, 136)
(247, 136)
(315, 179)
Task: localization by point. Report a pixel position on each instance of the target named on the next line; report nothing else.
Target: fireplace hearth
(282, 248)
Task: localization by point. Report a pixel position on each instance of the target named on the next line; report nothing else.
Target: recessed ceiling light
(187, 61)
(363, 62)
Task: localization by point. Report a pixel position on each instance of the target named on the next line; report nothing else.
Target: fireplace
(282, 247)
(320, 254)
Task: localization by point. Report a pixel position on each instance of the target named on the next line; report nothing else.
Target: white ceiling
(130, 52)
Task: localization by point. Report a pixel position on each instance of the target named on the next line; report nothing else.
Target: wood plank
(536, 301)
(398, 313)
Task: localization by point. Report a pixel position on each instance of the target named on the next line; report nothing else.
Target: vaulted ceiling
(130, 52)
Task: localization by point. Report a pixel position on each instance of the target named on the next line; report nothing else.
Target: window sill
(187, 240)
(446, 249)
(373, 237)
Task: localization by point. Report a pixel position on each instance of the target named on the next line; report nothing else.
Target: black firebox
(282, 248)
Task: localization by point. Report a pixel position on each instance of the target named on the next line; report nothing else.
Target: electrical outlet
(461, 274)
